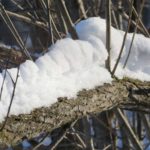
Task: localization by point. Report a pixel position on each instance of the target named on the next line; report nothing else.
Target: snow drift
(71, 65)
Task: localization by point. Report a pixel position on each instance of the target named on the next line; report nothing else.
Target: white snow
(71, 65)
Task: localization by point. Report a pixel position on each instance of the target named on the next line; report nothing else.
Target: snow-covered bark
(118, 93)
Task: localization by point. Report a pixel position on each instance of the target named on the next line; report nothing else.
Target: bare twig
(140, 21)
(50, 21)
(21, 8)
(81, 17)
(107, 147)
(79, 138)
(114, 19)
(2, 86)
(11, 101)
(13, 30)
(113, 145)
(119, 16)
(61, 138)
(27, 20)
(67, 17)
(135, 142)
(135, 30)
(82, 9)
(146, 124)
(30, 6)
(124, 39)
(108, 33)
(55, 28)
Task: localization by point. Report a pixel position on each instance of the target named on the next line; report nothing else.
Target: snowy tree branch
(108, 96)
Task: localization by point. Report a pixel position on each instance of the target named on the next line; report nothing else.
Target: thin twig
(113, 145)
(5, 73)
(140, 21)
(65, 14)
(82, 9)
(124, 40)
(2, 86)
(114, 19)
(13, 30)
(135, 142)
(61, 138)
(21, 8)
(50, 21)
(79, 138)
(146, 124)
(31, 6)
(135, 30)
(55, 28)
(108, 33)
(28, 20)
(11, 101)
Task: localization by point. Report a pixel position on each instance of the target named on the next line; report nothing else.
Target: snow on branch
(71, 66)
(119, 93)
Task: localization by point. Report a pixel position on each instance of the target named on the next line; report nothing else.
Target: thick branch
(101, 98)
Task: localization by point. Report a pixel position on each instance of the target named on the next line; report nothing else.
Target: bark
(120, 93)
(9, 57)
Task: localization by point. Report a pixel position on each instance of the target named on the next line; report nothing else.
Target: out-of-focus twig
(11, 101)
(108, 33)
(140, 21)
(124, 40)
(27, 20)
(13, 30)
(82, 9)
(135, 30)
(50, 27)
(135, 142)
(69, 23)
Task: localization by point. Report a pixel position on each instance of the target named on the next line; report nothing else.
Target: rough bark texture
(119, 93)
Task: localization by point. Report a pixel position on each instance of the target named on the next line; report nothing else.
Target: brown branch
(66, 110)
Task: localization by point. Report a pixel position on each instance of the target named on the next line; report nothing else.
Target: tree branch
(96, 100)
